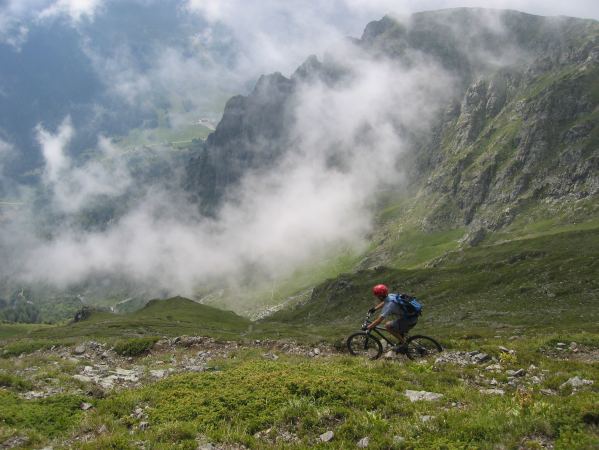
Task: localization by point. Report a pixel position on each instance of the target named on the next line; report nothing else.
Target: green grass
(306, 397)
(135, 346)
(41, 418)
(172, 317)
(545, 283)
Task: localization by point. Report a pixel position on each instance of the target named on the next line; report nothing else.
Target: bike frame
(377, 331)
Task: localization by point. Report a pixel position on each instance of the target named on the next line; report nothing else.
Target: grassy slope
(546, 283)
(306, 397)
(541, 289)
(172, 317)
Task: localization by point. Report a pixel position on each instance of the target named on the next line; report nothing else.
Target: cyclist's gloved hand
(365, 327)
(371, 310)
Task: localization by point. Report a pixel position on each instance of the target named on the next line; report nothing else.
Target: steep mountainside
(521, 128)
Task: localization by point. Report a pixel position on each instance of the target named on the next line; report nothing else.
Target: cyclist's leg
(394, 328)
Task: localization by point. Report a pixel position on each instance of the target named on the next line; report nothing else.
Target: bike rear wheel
(418, 347)
(365, 345)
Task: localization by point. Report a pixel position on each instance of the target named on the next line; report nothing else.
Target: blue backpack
(410, 305)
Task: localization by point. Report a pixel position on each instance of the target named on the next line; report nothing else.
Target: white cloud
(73, 187)
(275, 222)
(75, 9)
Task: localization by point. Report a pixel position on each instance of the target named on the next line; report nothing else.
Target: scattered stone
(398, 440)
(532, 367)
(159, 373)
(144, 425)
(513, 338)
(262, 434)
(504, 349)
(103, 429)
(415, 396)
(560, 344)
(316, 351)
(425, 419)
(363, 443)
(83, 378)
(481, 357)
(85, 406)
(520, 373)
(535, 380)
(493, 382)
(326, 437)
(493, 367)
(493, 391)
(576, 382)
(548, 392)
(207, 446)
(79, 350)
(139, 413)
(15, 441)
(390, 355)
(270, 356)
(573, 345)
(286, 436)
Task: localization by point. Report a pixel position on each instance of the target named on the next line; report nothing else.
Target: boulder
(415, 396)
(327, 436)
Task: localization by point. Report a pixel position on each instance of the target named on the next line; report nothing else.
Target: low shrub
(11, 381)
(135, 346)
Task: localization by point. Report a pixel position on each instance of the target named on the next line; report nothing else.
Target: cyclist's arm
(375, 322)
(379, 306)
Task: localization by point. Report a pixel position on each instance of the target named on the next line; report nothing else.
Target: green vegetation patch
(50, 416)
(24, 347)
(12, 381)
(255, 401)
(135, 346)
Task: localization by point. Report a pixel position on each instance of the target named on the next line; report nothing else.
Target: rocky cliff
(521, 127)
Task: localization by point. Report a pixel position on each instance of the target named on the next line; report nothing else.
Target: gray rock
(207, 446)
(493, 391)
(327, 436)
(481, 357)
(79, 350)
(397, 440)
(425, 419)
(548, 392)
(560, 344)
(415, 396)
(159, 373)
(316, 351)
(85, 406)
(144, 425)
(83, 378)
(390, 355)
(520, 373)
(535, 380)
(363, 443)
(576, 382)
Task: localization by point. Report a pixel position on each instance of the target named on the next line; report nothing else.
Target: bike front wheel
(418, 347)
(365, 345)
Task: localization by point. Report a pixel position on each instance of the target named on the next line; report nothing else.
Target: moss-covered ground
(250, 400)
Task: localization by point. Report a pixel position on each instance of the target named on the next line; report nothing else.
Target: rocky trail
(95, 368)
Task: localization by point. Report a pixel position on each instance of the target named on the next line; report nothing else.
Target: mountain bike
(368, 343)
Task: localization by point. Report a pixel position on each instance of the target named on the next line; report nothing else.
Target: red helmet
(380, 290)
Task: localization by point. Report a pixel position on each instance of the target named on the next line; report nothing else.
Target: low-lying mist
(347, 136)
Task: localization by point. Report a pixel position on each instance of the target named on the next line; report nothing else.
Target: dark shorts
(404, 324)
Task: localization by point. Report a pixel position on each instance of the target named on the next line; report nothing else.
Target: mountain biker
(392, 305)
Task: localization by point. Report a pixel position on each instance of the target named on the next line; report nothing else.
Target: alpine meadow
(220, 220)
